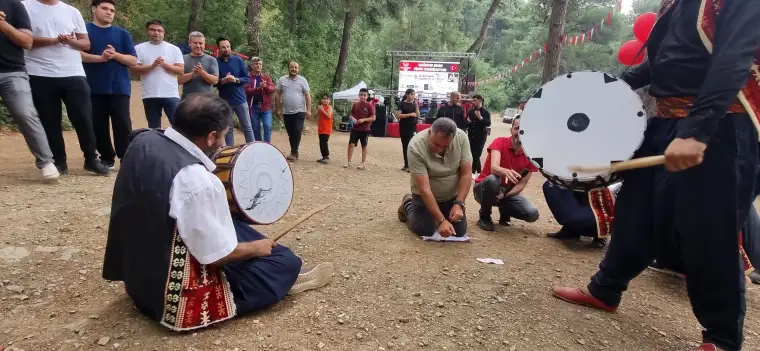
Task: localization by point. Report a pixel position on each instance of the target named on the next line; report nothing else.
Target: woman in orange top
(324, 127)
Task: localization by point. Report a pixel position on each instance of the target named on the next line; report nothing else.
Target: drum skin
(582, 118)
(242, 169)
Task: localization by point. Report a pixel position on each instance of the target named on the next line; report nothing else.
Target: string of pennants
(541, 51)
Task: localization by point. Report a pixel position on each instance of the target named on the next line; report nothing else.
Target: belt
(679, 107)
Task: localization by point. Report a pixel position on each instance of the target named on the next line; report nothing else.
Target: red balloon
(643, 25)
(631, 53)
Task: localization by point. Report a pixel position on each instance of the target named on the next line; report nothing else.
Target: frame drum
(258, 181)
(582, 118)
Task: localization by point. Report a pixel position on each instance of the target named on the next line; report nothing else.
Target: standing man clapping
(233, 76)
(107, 67)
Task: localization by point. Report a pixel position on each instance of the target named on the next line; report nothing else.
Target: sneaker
(62, 169)
(486, 224)
(326, 160)
(401, 212)
(361, 167)
(313, 278)
(109, 164)
(292, 158)
(50, 171)
(96, 166)
(347, 165)
(405, 169)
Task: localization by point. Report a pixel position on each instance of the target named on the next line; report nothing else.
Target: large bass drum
(258, 181)
(582, 119)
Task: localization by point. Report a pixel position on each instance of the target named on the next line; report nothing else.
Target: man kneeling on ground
(501, 184)
(440, 164)
(184, 260)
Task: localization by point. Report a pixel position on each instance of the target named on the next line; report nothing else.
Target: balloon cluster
(632, 52)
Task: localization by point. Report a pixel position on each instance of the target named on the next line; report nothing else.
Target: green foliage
(6, 121)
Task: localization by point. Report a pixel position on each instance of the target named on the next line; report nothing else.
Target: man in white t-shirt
(158, 64)
(56, 75)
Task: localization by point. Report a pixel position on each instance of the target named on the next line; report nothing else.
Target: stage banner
(429, 79)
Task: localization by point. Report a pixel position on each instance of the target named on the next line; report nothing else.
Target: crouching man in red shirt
(501, 184)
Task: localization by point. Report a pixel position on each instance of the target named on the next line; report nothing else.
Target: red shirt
(516, 161)
(361, 110)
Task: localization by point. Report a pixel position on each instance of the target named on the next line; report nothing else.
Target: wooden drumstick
(299, 221)
(636, 163)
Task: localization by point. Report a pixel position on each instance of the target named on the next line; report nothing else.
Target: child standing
(324, 127)
(362, 114)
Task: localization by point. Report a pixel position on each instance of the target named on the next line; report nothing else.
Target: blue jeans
(257, 118)
(153, 107)
(245, 125)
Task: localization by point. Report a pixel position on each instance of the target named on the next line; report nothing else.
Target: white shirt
(49, 21)
(159, 83)
(198, 201)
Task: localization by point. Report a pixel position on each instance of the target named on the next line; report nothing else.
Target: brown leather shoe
(576, 296)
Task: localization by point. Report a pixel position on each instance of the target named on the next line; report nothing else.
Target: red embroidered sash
(602, 204)
(196, 295)
(749, 96)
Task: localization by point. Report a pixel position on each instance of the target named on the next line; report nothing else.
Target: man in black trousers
(477, 130)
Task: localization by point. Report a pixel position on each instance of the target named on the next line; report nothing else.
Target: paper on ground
(491, 260)
(437, 237)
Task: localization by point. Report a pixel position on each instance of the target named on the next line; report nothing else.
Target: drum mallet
(642, 162)
(299, 221)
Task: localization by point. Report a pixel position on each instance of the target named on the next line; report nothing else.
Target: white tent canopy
(352, 93)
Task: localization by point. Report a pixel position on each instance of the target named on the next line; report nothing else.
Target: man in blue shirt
(106, 65)
(233, 76)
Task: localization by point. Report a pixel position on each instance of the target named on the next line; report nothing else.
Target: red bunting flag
(609, 18)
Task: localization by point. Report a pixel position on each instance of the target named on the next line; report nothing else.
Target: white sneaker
(313, 278)
(347, 165)
(49, 171)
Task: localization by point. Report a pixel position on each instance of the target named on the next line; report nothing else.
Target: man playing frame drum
(440, 164)
(184, 260)
(700, 56)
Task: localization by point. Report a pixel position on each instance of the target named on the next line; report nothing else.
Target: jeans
(294, 127)
(16, 93)
(113, 108)
(245, 125)
(323, 146)
(47, 94)
(421, 221)
(706, 221)
(517, 206)
(258, 118)
(153, 107)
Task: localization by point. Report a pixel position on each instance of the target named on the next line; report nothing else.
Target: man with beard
(158, 63)
(107, 67)
(233, 76)
(293, 105)
(453, 110)
(184, 260)
(702, 69)
(480, 120)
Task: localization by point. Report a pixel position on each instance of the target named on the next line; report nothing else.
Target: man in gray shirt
(201, 70)
(293, 105)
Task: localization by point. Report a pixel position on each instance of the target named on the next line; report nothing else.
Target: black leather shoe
(95, 166)
(486, 224)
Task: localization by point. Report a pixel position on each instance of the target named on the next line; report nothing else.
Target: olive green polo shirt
(442, 170)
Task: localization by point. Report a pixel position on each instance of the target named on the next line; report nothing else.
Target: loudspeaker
(380, 125)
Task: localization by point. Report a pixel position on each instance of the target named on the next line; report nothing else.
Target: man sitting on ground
(440, 164)
(184, 260)
(501, 184)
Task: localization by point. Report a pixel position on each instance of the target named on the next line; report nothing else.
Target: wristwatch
(460, 203)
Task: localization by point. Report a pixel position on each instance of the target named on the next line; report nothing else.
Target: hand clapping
(159, 61)
(66, 38)
(108, 53)
(198, 68)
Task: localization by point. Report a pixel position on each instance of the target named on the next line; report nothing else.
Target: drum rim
(232, 186)
(611, 177)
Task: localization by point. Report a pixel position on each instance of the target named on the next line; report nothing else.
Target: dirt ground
(391, 291)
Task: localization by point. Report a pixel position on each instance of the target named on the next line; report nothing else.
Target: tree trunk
(193, 23)
(348, 23)
(554, 43)
(253, 15)
(293, 16)
(484, 27)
